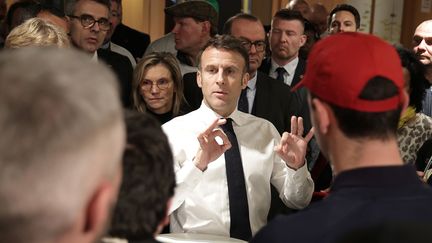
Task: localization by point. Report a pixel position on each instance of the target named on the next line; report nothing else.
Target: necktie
(280, 73)
(238, 204)
(243, 104)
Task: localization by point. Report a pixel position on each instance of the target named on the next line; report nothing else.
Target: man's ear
(322, 115)
(245, 80)
(206, 27)
(303, 39)
(199, 79)
(98, 210)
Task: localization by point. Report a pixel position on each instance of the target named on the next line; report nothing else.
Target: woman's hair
(170, 62)
(418, 81)
(36, 32)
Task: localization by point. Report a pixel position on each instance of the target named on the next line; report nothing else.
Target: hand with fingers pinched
(210, 149)
(292, 147)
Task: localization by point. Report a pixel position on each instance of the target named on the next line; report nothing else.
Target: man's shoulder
(108, 55)
(137, 34)
(294, 226)
(265, 65)
(180, 122)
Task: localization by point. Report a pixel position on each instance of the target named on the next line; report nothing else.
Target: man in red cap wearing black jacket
(356, 95)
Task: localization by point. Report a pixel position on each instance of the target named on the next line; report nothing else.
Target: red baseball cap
(340, 66)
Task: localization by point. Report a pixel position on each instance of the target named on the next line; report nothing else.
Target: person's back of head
(62, 142)
(302, 6)
(415, 81)
(362, 98)
(36, 32)
(148, 181)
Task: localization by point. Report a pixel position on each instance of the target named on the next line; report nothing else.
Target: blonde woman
(157, 87)
(36, 32)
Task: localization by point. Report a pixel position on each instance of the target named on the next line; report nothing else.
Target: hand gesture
(292, 147)
(210, 149)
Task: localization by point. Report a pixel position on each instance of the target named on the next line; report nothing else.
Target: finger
(300, 128)
(283, 139)
(310, 134)
(221, 134)
(213, 125)
(294, 125)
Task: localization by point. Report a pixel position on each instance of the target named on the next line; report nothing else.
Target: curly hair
(418, 82)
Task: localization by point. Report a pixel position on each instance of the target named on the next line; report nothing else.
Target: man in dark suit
(88, 26)
(286, 37)
(134, 41)
(266, 97)
(356, 131)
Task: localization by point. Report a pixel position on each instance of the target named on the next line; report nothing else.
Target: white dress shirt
(289, 68)
(201, 203)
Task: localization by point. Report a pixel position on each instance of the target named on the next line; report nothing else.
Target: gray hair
(58, 111)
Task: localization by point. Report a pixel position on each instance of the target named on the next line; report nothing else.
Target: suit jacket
(122, 67)
(298, 74)
(134, 41)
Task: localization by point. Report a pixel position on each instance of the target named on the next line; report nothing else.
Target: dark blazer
(122, 67)
(275, 103)
(298, 74)
(134, 41)
(359, 199)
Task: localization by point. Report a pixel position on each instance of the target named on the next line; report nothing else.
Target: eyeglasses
(147, 85)
(87, 21)
(260, 45)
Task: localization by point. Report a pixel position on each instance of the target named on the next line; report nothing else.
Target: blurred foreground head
(62, 142)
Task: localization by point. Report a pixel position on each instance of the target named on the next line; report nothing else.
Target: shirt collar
(95, 57)
(238, 117)
(289, 67)
(252, 82)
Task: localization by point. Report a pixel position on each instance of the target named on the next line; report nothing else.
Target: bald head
(422, 42)
(302, 6)
(319, 17)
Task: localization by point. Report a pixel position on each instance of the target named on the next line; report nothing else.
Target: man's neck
(283, 62)
(363, 153)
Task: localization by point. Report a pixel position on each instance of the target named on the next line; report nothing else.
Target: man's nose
(175, 28)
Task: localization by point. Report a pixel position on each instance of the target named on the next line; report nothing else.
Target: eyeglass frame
(93, 20)
(157, 83)
(248, 44)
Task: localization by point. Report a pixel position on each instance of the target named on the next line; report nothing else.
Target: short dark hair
(71, 4)
(373, 125)
(148, 179)
(418, 81)
(229, 43)
(228, 24)
(29, 11)
(287, 14)
(51, 9)
(345, 7)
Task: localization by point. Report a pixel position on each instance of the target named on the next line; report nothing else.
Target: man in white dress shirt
(201, 203)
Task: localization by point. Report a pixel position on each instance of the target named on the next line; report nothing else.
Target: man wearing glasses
(88, 25)
(266, 97)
